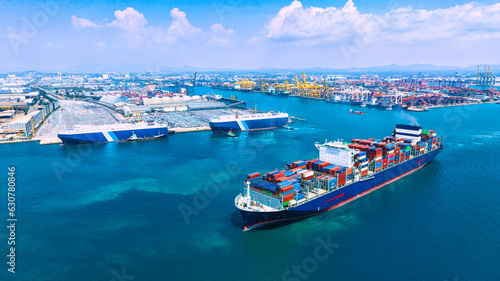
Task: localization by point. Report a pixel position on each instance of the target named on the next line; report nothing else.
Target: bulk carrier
(112, 133)
(342, 173)
(248, 122)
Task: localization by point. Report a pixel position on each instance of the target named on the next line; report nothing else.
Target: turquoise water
(483, 87)
(89, 212)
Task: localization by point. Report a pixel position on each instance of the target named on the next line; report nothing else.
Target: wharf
(16, 141)
(460, 104)
(234, 103)
(185, 130)
(48, 140)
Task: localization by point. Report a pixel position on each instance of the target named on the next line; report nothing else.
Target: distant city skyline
(105, 35)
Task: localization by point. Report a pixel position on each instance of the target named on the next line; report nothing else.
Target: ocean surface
(164, 209)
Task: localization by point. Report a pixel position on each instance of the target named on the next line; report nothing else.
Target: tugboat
(355, 112)
(133, 137)
(231, 134)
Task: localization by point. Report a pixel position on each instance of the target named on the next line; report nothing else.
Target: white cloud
(129, 20)
(134, 23)
(180, 26)
(219, 36)
(82, 23)
(218, 28)
(330, 25)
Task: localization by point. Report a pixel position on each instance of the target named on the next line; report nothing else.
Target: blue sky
(62, 35)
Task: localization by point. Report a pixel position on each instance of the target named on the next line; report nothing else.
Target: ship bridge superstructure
(337, 153)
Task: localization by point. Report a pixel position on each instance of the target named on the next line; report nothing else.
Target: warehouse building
(20, 125)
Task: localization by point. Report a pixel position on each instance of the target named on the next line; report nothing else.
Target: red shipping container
(278, 175)
(382, 144)
(253, 176)
(352, 146)
(288, 197)
(364, 173)
(309, 163)
(334, 170)
(323, 165)
(286, 188)
(348, 171)
(281, 179)
(366, 142)
(295, 170)
(302, 167)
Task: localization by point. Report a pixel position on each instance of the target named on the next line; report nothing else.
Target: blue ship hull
(111, 136)
(248, 125)
(338, 197)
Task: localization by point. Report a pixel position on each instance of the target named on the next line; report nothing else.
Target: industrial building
(26, 124)
(37, 117)
(20, 125)
(134, 109)
(112, 100)
(175, 101)
(7, 114)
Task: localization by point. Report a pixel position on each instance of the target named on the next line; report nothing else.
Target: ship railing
(265, 199)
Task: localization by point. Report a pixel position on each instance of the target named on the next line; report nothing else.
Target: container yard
(182, 121)
(74, 113)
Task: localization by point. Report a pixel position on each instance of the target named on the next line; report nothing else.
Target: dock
(54, 140)
(186, 130)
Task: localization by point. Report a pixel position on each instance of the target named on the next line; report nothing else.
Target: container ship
(248, 122)
(112, 133)
(342, 173)
(348, 102)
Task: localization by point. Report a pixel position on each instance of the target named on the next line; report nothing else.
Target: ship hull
(248, 125)
(338, 197)
(346, 102)
(379, 106)
(111, 136)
